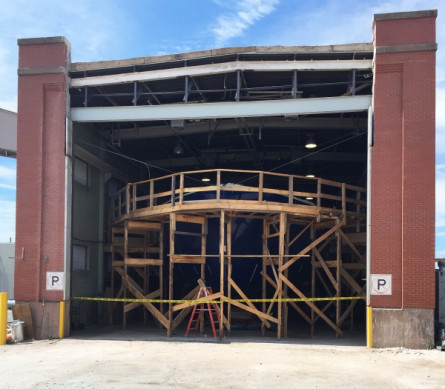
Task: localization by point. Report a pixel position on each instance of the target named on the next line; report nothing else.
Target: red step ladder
(210, 307)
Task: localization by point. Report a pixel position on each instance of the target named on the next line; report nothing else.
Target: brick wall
(40, 219)
(403, 159)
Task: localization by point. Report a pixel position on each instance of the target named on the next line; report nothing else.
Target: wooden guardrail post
(260, 187)
(218, 185)
(173, 189)
(152, 192)
(343, 200)
(291, 190)
(127, 199)
(181, 188)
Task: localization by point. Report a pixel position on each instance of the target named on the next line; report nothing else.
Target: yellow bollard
(3, 316)
(62, 320)
(369, 327)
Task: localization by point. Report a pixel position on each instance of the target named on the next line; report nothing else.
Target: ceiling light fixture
(206, 179)
(178, 150)
(309, 198)
(310, 143)
(310, 175)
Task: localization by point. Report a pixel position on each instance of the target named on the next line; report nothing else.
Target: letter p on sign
(381, 284)
(54, 280)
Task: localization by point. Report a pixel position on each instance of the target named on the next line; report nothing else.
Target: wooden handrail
(127, 199)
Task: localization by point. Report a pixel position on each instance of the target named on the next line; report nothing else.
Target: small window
(81, 172)
(80, 254)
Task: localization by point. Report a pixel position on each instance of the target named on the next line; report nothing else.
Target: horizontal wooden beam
(200, 300)
(138, 225)
(194, 260)
(143, 262)
(190, 219)
(350, 266)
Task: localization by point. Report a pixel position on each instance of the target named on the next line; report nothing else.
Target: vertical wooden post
(358, 208)
(203, 265)
(343, 201)
(170, 273)
(312, 232)
(229, 270)
(127, 199)
(280, 264)
(218, 185)
(181, 188)
(260, 187)
(351, 319)
(286, 274)
(146, 274)
(338, 266)
(119, 204)
(161, 267)
(124, 314)
(264, 267)
(152, 191)
(204, 250)
(221, 258)
(173, 190)
(111, 305)
(318, 199)
(133, 197)
(291, 190)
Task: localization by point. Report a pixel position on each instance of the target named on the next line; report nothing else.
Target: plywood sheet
(23, 312)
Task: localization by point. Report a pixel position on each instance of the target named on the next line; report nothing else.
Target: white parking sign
(54, 280)
(381, 284)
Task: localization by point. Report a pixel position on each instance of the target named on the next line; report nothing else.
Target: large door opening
(287, 190)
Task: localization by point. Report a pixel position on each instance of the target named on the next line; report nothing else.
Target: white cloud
(245, 13)
(93, 28)
(7, 172)
(6, 186)
(7, 177)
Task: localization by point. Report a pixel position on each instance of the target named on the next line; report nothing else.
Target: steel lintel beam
(223, 109)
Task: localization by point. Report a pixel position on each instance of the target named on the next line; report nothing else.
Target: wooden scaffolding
(320, 220)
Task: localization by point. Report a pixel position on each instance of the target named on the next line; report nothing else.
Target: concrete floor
(322, 336)
(137, 358)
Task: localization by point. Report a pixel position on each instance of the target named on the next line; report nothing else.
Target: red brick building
(370, 108)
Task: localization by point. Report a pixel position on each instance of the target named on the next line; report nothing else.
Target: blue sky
(116, 29)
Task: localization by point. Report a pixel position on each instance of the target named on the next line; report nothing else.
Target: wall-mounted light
(178, 150)
(310, 143)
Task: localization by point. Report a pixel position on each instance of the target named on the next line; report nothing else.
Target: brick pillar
(41, 180)
(403, 177)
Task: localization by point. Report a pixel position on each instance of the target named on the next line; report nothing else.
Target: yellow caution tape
(218, 301)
